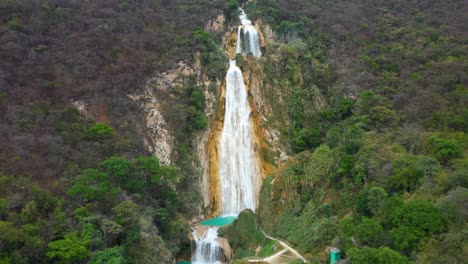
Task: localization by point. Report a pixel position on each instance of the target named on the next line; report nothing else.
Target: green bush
(94, 185)
(99, 132)
(381, 117)
(369, 232)
(414, 221)
(72, 248)
(15, 24)
(445, 149)
(114, 255)
(231, 9)
(383, 255)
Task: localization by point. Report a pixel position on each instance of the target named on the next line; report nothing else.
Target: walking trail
(281, 254)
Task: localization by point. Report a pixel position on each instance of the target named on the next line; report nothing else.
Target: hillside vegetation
(81, 187)
(369, 96)
(375, 93)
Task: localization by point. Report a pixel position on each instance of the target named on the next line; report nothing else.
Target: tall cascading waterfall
(247, 37)
(239, 170)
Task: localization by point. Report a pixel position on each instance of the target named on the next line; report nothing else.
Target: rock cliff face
(159, 139)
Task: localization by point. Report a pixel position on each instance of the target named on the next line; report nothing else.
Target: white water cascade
(247, 37)
(239, 170)
(207, 249)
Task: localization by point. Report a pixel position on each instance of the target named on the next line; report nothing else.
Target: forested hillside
(80, 186)
(376, 96)
(369, 97)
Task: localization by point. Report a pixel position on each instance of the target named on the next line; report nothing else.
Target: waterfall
(239, 171)
(207, 248)
(247, 37)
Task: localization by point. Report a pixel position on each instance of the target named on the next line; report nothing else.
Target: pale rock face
(160, 140)
(205, 185)
(268, 35)
(216, 25)
(81, 106)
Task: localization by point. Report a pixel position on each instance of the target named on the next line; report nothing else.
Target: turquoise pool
(219, 221)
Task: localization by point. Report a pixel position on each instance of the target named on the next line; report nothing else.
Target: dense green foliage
(100, 215)
(375, 98)
(245, 237)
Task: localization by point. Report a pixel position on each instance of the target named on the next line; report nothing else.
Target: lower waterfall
(207, 248)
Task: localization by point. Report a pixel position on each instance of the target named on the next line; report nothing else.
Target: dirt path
(272, 258)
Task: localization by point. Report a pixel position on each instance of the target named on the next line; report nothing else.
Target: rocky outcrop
(160, 140)
(216, 25)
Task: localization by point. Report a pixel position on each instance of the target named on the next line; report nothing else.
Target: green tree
(376, 198)
(99, 132)
(94, 185)
(414, 221)
(386, 255)
(30, 213)
(406, 175)
(445, 149)
(126, 213)
(383, 255)
(369, 232)
(70, 249)
(343, 109)
(320, 165)
(114, 255)
(381, 117)
(10, 236)
(118, 168)
(231, 9)
(149, 168)
(420, 214)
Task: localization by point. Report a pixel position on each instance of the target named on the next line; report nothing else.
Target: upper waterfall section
(247, 37)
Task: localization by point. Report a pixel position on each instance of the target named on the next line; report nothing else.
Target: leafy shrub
(369, 232)
(415, 220)
(383, 255)
(99, 132)
(94, 185)
(70, 249)
(114, 255)
(444, 149)
(381, 117)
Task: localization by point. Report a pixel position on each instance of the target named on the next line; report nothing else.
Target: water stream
(207, 248)
(238, 166)
(237, 162)
(247, 37)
